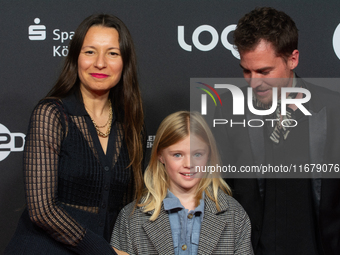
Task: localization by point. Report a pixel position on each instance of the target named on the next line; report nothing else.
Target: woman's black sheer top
(74, 191)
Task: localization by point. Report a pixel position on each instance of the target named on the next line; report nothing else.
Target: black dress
(74, 191)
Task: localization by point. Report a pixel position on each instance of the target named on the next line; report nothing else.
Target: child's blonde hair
(173, 129)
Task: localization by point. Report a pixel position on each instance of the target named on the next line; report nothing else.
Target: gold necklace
(104, 124)
(109, 122)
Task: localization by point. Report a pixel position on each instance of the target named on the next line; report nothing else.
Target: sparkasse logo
(37, 32)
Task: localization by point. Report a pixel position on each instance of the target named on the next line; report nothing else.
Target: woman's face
(100, 62)
(181, 160)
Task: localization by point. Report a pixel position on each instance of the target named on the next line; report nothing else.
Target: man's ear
(293, 60)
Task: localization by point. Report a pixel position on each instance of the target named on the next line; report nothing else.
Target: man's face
(263, 70)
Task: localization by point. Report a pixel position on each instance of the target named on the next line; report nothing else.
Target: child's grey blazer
(224, 232)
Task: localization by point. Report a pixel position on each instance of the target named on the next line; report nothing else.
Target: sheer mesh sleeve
(46, 131)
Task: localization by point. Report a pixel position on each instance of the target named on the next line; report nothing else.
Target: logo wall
(214, 40)
(37, 32)
(10, 142)
(336, 41)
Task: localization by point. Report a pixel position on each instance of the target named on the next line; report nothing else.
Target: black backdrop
(30, 67)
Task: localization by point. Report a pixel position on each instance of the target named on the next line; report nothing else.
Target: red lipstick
(99, 75)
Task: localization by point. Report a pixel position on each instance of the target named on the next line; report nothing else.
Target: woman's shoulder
(49, 106)
(48, 110)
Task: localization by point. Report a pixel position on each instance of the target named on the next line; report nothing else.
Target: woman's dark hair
(125, 95)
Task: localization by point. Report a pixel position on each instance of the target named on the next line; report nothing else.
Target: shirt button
(101, 223)
(184, 247)
(190, 216)
(106, 187)
(103, 205)
(106, 168)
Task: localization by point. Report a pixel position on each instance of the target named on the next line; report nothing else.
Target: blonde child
(183, 211)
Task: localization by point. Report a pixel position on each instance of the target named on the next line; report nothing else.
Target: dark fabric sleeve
(47, 129)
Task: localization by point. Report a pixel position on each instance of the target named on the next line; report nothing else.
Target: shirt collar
(294, 81)
(75, 106)
(260, 105)
(172, 202)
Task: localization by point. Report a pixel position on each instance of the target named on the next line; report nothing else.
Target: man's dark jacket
(245, 146)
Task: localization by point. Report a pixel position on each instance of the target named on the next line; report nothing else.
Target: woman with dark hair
(84, 147)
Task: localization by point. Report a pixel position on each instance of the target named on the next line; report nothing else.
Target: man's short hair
(269, 24)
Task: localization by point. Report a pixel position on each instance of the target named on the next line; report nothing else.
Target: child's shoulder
(229, 203)
(133, 208)
(130, 206)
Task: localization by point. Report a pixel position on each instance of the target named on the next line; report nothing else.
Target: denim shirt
(185, 225)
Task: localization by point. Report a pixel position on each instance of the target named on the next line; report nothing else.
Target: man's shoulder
(322, 96)
(320, 91)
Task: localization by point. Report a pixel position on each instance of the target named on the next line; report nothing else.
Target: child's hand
(120, 252)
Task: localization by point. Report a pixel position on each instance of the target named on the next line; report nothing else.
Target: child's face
(180, 160)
